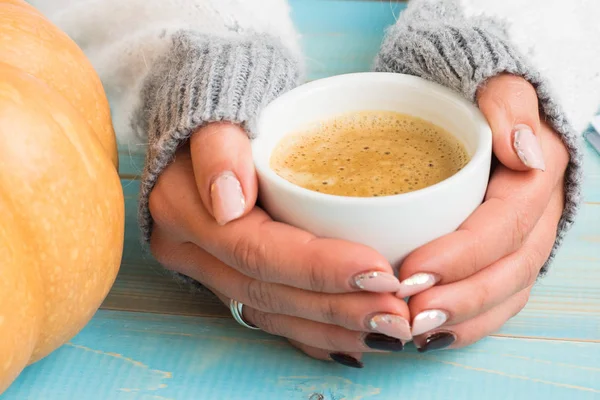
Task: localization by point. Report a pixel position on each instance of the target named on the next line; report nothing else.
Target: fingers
(186, 258)
(510, 105)
(224, 171)
(473, 330)
(347, 359)
(383, 313)
(513, 205)
(461, 301)
(323, 336)
(270, 251)
(367, 312)
(278, 253)
(263, 249)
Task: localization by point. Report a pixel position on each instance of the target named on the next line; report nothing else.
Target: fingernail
(416, 284)
(379, 341)
(437, 341)
(346, 360)
(375, 281)
(227, 198)
(391, 325)
(528, 148)
(427, 321)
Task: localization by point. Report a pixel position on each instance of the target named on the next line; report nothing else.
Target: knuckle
(520, 86)
(315, 278)
(331, 339)
(514, 84)
(548, 243)
(157, 248)
(259, 296)
(473, 242)
(482, 298)
(529, 268)
(508, 95)
(162, 251)
(248, 256)
(266, 322)
(157, 205)
(328, 310)
(521, 227)
(162, 208)
(522, 300)
(500, 102)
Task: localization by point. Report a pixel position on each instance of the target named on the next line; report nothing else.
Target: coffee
(369, 154)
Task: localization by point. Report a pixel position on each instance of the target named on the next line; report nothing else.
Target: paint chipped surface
(150, 380)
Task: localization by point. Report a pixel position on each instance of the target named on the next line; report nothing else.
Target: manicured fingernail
(375, 281)
(528, 147)
(391, 325)
(379, 341)
(416, 284)
(227, 198)
(346, 360)
(427, 321)
(437, 341)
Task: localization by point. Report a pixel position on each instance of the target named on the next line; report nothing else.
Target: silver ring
(236, 311)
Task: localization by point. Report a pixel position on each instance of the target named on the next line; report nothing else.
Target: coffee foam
(369, 154)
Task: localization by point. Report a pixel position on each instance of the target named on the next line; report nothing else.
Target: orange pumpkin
(61, 201)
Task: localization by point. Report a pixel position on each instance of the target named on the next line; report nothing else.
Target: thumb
(510, 105)
(224, 170)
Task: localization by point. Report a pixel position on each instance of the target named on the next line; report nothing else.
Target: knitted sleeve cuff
(204, 79)
(435, 41)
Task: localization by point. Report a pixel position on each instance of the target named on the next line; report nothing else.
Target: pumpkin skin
(61, 201)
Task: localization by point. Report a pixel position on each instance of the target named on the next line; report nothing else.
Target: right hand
(292, 284)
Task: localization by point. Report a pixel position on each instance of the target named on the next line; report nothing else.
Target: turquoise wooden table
(155, 341)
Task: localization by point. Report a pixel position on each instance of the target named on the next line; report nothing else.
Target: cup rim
(262, 162)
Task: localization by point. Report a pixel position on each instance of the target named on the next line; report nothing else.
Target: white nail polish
(377, 281)
(528, 147)
(391, 325)
(227, 198)
(416, 284)
(428, 320)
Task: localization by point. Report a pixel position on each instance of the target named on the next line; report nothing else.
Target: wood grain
(130, 356)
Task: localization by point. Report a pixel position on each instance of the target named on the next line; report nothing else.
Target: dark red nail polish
(438, 341)
(346, 360)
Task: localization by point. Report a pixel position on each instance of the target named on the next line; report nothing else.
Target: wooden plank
(127, 356)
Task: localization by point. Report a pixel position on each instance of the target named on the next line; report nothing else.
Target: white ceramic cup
(393, 225)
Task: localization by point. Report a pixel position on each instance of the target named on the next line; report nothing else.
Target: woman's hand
(326, 296)
(466, 285)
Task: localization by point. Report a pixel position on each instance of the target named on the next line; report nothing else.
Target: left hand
(481, 275)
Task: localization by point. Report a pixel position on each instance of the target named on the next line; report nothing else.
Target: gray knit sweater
(205, 79)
